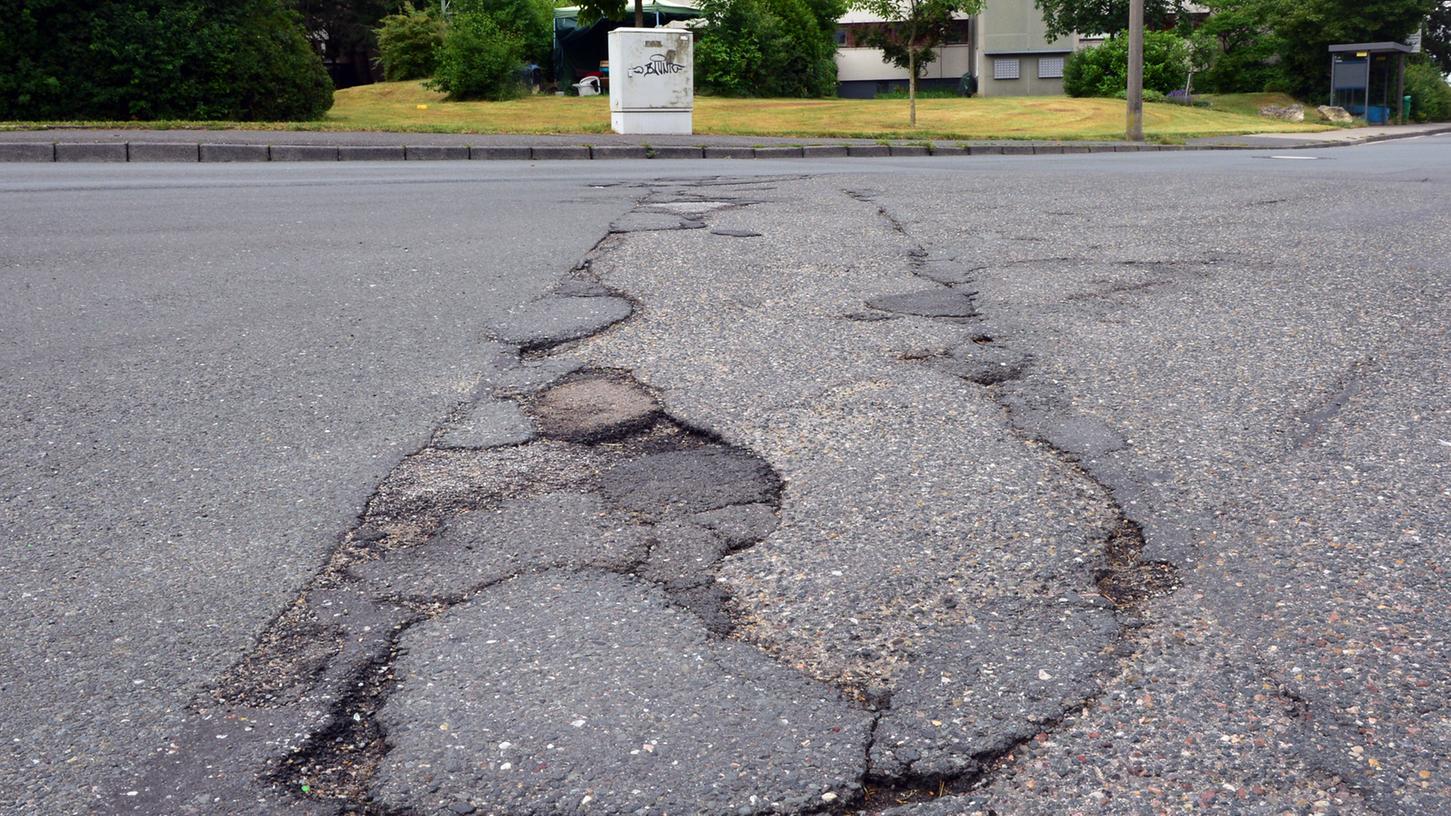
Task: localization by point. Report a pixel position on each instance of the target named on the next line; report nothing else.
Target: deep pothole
(679, 499)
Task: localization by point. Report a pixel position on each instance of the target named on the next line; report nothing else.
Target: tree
(1307, 28)
(530, 21)
(1103, 69)
(911, 32)
(1248, 46)
(158, 59)
(479, 59)
(784, 48)
(1064, 17)
(1437, 40)
(343, 28)
(408, 44)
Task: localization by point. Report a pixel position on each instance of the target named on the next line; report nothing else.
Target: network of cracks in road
(526, 620)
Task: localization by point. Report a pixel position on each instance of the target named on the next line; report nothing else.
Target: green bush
(479, 60)
(531, 21)
(408, 44)
(784, 48)
(1246, 47)
(1150, 95)
(1103, 70)
(1430, 95)
(159, 59)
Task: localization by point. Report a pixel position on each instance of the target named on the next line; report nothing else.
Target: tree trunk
(639, 13)
(912, 86)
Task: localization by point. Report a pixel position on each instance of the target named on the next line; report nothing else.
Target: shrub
(531, 21)
(408, 44)
(1103, 70)
(768, 47)
(479, 60)
(159, 59)
(1247, 48)
(1430, 95)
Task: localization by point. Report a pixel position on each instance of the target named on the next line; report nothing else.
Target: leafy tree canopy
(1437, 41)
(158, 59)
(1063, 17)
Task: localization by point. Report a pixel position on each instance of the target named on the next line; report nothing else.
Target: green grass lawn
(394, 106)
(409, 107)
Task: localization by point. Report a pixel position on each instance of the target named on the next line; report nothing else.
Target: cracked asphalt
(1081, 484)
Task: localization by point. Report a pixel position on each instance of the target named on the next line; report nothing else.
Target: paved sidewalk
(1328, 138)
(72, 144)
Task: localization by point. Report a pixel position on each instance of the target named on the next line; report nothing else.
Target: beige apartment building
(1005, 47)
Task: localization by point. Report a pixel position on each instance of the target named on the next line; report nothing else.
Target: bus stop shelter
(1369, 80)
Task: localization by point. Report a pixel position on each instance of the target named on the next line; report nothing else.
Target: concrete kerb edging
(184, 152)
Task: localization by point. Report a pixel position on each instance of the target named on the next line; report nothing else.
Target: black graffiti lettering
(657, 66)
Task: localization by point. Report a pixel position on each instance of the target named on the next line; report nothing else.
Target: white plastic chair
(589, 86)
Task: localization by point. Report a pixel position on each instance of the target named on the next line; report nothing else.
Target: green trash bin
(1406, 107)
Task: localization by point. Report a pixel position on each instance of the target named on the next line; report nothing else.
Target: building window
(1050, 67)
(1005, 68)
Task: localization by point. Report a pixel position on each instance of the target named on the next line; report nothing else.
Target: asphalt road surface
(1099, 484)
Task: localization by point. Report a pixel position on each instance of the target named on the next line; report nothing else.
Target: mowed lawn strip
(394, 106)
(409, 107)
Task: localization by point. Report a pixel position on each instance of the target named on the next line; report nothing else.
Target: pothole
(1128, 580)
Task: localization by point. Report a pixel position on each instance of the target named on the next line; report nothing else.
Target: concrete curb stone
(304, 152)
(539, 152)
(158, 151)
(163, 152)
(371, 153)
(824, 151)
(677, 152)
(729, 153)
(618, 152)
(234, 152)
(778, 153)
(435, 152)
(27, 152)
(498, 152)
(90, 151)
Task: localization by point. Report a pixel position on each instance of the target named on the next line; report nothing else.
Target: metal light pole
(1136, 72)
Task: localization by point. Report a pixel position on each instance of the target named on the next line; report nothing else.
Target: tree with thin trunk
(590, 10)
(910, 33)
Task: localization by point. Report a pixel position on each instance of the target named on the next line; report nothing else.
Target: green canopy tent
(580, 49)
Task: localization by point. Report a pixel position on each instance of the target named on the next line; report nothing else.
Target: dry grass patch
(409, 107)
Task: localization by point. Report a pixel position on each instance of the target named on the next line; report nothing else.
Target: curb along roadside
(203, 152)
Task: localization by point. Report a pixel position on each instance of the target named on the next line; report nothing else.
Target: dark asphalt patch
(927, 303)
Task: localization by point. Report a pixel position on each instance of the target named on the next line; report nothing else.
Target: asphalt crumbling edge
(326, 662)
(1125, 578)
